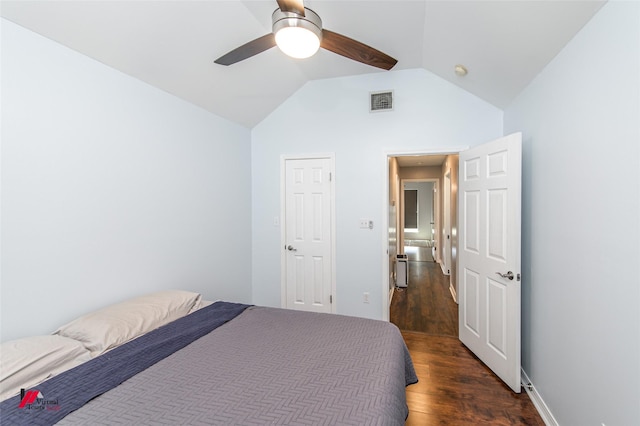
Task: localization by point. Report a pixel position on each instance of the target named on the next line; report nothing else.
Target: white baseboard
(444, 271)
(540, 405)
(453, 293)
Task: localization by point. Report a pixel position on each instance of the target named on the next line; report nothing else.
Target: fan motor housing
(311, 21)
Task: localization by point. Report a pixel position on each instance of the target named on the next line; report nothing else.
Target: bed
(225, 363)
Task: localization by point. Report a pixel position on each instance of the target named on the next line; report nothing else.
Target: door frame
(385, 213)
(435, 206)
(283, 225)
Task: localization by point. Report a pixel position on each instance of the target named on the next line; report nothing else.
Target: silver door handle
(290, 248)
(508, 275)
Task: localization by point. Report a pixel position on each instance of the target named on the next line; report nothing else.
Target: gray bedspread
(269, 366)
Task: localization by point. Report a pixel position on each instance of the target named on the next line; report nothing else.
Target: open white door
(489, 254)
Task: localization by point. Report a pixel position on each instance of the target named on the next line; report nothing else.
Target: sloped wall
(110, 189)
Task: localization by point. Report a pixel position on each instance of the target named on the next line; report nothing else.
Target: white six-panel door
(307, 234)
(489, 254)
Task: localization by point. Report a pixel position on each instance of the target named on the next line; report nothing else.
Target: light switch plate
(366, 224)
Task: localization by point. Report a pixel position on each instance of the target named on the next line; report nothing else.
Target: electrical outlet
(365, 297)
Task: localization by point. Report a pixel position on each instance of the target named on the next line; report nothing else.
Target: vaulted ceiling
(172, 44)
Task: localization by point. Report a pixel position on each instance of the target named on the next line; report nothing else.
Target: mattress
(265, 366)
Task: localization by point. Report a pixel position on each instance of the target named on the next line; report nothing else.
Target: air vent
(381, 101)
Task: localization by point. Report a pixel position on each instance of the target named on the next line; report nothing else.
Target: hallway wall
(451, 163)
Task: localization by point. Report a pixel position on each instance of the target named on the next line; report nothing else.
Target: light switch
(366, 224)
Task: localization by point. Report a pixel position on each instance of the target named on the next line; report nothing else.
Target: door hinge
(330, 298)
(330, 176)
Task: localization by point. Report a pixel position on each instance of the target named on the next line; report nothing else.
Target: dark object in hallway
(456, 388)
(426, 305)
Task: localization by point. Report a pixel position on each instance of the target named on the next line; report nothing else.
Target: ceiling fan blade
(352, 49)
(295, 6)
(247, 50)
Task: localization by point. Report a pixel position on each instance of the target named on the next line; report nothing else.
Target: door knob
(290, 248)
(508, 275)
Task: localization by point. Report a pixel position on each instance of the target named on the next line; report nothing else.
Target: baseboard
(453, 293)
(444, 271)
(535, 397)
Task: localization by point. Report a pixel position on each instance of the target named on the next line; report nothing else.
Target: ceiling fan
(298, 32)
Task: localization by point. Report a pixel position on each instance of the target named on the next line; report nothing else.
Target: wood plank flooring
(426, 304)
(454, 387)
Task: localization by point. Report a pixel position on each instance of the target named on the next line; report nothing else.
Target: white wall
(581, 299)
(332, 116)
(111, 188)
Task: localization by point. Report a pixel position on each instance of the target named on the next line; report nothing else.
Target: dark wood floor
(454, 387)
(426, 304)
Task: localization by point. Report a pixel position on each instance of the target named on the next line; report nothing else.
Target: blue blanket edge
(74, 388)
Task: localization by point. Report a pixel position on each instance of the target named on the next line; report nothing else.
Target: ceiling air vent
(381, 101)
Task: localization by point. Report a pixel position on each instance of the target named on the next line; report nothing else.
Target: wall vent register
(381, 101)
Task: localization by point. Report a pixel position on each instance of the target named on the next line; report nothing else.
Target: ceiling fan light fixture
(297, 42)
(297, 36)
(298, 32)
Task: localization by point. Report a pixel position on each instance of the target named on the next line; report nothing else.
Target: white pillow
(27, 362)
(114, 325)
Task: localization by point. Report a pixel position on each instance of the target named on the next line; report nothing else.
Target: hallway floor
(454, 387)
(426, 305)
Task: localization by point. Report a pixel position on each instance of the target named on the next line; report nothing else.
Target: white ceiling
(172, 44)
(421, 160)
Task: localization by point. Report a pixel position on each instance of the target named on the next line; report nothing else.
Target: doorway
(490, 253)
(419, 207)
(428, 303)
